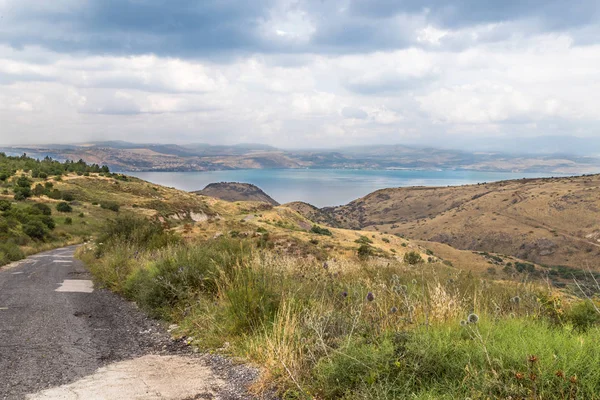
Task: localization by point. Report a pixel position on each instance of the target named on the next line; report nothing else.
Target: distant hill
(554, 221)
(235, 191)
(126, 156)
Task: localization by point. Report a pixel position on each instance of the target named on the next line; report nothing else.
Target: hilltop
(235, 191)
(551, 221)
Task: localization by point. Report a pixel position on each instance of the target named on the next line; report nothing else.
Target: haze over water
(325, 187)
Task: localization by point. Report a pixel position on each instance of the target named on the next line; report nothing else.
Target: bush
(39, 190)
(412, 258)
(66, 196)
(55, 194)
(64, 207)
(10, 252)
(35, 230)
(584, 315)
(187, 271)
(5, 205)
(320, 231)
(137, 231)
(43, 208)
(22, 193)
(363, 240)
(110, 205)
(364, 250)
(68, 221)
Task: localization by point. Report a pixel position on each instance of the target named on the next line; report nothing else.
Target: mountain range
(127, 156)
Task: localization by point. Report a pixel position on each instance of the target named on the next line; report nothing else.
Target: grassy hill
(235, 191)
(550, 221)
(327, 312)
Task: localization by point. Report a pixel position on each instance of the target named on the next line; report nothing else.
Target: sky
(313, 73)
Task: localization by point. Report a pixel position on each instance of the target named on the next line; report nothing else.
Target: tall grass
(361, 329)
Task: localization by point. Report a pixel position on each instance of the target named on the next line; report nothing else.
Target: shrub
(320, 231)
(43, 208)
(68, 221)
(66, 196)
(187, 271)
(137, 231)
(412, 258)
(363, 240)
(9, 252)
(110, 205)
(364, 250)
(64, 207)
(22, 193)
(39, 190)
(35, 230)
(5, 205)
(584, 315)
(55, 194)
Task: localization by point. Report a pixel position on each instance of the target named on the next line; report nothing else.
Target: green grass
(318, 332)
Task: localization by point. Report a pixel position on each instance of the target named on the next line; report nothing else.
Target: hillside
(235, 191)
(268, 285)
(124, 156)
(552, 221)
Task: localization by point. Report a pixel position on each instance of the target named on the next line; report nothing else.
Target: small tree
(413, 258)
(364, 250)
(64, 207)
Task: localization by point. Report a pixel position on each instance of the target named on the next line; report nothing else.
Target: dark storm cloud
(553, 14)
(182, 28)
(200, 28)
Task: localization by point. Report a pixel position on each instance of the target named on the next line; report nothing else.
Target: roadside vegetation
(358, 327)
(33, 211)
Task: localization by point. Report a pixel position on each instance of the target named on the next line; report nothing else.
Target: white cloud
(527, 85)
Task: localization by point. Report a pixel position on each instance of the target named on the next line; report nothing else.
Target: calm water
(324, 187)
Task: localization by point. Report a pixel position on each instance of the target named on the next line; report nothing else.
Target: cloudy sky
(305, 73)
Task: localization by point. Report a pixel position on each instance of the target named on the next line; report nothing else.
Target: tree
(64, 207)
(412, 258)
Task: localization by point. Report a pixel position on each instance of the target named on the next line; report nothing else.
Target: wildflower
(533, 377)
(559, 374)
(325, 265)
(393, 310)
(573, 379)
(473, 318)
(463, 323)
(403, 288)
(344, 294)
(532, 359)
(516, 300)
(498, 309)
(370, 296)
(519, 376)
(411, 309)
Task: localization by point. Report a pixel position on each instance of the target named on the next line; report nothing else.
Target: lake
(325, 187)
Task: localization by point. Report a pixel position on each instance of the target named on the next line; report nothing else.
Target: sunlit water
(325, 187)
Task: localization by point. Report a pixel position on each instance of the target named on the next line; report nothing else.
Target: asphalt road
(56, 328)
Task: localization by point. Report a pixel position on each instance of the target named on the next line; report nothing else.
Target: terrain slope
(553, 221)
(235, 191)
